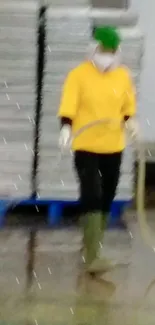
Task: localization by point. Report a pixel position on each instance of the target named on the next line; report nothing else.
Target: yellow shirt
(90, 95)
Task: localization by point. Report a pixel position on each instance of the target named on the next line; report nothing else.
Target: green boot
(94, 227)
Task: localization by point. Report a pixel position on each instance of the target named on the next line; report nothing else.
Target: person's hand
(133, 128)
(65, 137)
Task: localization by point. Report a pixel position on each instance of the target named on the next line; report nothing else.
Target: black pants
(98, 176)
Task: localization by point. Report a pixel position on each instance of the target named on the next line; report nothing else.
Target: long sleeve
(70, 97)
(129, 107)
(64, 121)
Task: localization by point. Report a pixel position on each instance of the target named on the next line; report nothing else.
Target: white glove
(65, 137)
(133, 128)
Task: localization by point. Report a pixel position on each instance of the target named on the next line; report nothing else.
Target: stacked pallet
(17, 95)
(68, 34)
(65, 3)
(68, 38)
(132, 53)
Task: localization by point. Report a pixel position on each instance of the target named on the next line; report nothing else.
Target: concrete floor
(61, 296)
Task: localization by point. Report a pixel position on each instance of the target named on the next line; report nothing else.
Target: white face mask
(104, 61)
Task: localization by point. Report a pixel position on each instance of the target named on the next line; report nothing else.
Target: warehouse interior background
(40, 279)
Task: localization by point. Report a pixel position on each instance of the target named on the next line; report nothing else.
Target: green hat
(108, 36)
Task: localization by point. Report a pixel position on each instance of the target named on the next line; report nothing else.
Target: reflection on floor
(62, 296)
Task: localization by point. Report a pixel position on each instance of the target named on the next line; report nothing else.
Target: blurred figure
(99, 88)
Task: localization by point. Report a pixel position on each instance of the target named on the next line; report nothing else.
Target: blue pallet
(55, 209)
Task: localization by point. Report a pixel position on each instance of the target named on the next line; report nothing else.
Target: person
(99, 88)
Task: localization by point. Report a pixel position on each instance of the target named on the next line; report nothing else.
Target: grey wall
(146, 9)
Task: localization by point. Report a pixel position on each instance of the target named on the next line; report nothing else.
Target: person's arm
(69, 100)
(68, 108)
(129, 108)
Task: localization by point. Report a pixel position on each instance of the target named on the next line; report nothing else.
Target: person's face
(101, 50)
(103, 58)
